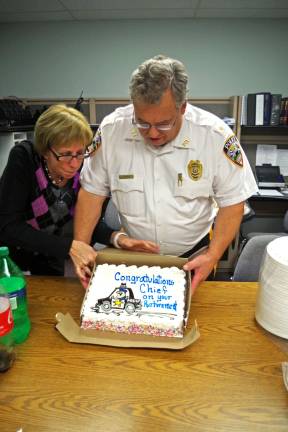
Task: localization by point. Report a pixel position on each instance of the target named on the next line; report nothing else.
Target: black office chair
(250, 259)
(111, 216)
(248, 214)
(281, 233)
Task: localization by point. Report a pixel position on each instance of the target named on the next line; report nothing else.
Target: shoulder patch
(96, 142)
(233, 151)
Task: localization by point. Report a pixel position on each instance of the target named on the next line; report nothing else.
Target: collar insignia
(134, 132)
(185, 142)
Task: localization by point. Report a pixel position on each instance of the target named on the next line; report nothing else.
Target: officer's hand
(83, 257)
(202, 266)
(129, 243)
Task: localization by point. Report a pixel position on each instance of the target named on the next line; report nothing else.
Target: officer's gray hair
(156, 75)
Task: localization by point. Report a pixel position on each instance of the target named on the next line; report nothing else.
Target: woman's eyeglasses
(67, 157)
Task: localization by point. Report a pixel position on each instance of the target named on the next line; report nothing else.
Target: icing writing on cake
(133, 279)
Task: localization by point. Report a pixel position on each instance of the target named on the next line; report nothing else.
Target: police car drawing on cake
(121, 299)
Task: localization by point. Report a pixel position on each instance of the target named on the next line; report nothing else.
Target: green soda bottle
(13, 281)
(7, 354)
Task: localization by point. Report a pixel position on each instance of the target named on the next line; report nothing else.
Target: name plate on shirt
(126, 176)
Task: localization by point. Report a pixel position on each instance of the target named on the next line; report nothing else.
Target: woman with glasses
(38, 192)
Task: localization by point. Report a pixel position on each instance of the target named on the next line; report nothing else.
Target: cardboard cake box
(74, 333)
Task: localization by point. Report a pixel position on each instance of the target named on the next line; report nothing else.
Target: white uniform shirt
(167, 194)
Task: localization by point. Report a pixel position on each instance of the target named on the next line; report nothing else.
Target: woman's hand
(83, 257)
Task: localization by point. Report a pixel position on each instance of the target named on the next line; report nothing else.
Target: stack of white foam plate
(272, 299)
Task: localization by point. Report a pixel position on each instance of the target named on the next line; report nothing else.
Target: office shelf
(251, 135)
(271, 130)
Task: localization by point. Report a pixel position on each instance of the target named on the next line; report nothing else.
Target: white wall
(223, 57)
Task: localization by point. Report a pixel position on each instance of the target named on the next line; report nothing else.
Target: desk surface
(272, 198)
(228, 380)
(265, 206)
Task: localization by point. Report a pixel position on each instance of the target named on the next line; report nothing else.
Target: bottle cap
(4, 251)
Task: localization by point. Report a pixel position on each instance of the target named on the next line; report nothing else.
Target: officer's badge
(233, 151)
(195, 169)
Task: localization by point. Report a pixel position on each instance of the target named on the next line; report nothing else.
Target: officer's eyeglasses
(159, 126)
(67, 157)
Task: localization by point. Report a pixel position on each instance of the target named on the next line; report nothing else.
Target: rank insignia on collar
(185, 142)
(195, 169)
(134, 132)
(233, 151)
(133, 135)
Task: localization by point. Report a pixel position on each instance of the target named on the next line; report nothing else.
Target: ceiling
(89, 10)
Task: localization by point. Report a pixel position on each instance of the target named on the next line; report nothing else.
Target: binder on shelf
(263, 109)
(267, 108)
(244, 111)
(284, 112)
(251, 108)
(275, 109)
(259, 109)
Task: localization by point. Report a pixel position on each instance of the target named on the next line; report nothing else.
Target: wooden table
(228, 380)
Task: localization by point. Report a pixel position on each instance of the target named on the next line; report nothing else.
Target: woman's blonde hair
(60, 125)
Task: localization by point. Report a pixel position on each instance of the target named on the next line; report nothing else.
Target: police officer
(170, 168)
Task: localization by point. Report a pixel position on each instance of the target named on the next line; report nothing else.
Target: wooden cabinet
(222, 107)
(96, 109)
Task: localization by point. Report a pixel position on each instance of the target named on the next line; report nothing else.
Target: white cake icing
(130, 299)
